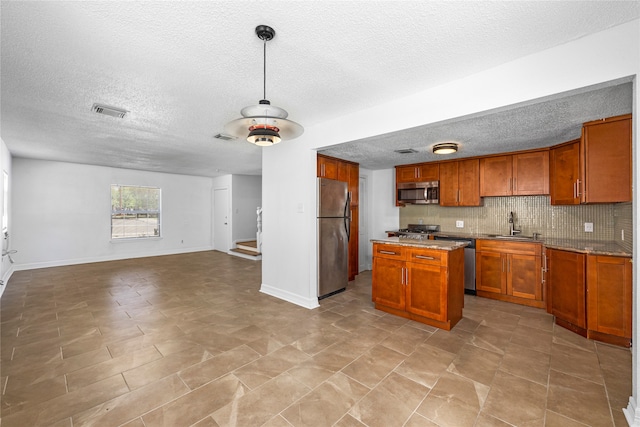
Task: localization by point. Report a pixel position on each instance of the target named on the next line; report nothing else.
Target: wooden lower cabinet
(510, 271)
(566, 289)
(609, 303)
(425, 285)
(591, 295)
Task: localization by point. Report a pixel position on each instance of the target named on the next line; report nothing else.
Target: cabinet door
(607, 156)
(531, 173)
(388, 283)
(567, 291)
(496, 176)
(449, 184)
(609, 295)
(427, 291)
(327, 167)
(469, 182)
(524, 278)
(353, 244)
(406, 173)
(490, 275)
(429, 172)
(564, 173)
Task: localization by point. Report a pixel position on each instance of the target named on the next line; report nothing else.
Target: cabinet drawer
(522, 248)
(427, 256)
(389, 251)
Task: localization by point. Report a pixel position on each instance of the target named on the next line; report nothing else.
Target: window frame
(113, 211)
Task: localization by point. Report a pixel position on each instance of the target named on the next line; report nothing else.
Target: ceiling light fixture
(445, 148)
(266, 124)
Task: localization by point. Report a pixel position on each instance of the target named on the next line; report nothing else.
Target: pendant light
(264, 124)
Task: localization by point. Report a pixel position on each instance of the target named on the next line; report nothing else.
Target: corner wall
(61, 214)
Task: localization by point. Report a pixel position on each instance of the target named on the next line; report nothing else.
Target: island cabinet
(349, 172)
(510, 271)
(418, 172)
(522, 174)
(460, 183)
(566, 290)
(609, 303)
(425, 285)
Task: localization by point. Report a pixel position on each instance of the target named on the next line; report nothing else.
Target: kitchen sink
(507, 237)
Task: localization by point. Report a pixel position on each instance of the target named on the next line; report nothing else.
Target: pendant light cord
(264, 71)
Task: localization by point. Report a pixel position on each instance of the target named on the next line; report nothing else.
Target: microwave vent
(405, 151)
(109, 111)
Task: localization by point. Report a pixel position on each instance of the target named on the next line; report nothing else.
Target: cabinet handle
(387, 252)
(402, 276)
(406, 276)
(424, 257)
(458, 196)
(577, 188)
(543, 271)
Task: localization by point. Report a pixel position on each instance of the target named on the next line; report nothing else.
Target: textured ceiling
(184, 69)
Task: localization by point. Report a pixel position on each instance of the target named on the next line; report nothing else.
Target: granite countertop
(593, 247)
(444, 245)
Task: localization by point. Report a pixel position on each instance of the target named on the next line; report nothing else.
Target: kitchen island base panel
(609, 339)
(447, 326)
(570, 326)
(512, 299)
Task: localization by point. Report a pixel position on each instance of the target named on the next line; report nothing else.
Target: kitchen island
(422, 280)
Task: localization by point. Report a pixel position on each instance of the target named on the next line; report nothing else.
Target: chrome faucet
(512, 230)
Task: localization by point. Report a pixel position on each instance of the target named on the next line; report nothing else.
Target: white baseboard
(118, 257)
(631, 413)
(5, 279)
(309, 303)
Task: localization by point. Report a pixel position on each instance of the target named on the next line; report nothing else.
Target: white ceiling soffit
(183, 70)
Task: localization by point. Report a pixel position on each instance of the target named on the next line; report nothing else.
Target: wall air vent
(405, 151)
(109, 111)
(225, 137)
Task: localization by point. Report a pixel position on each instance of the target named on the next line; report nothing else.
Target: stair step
(246, 252)
(251, 246)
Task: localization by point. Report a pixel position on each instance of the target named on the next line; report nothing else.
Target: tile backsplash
(532, 214)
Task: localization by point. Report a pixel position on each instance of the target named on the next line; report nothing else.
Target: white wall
(6, 166)
(289, 266)
(246, 197)
(61, 213)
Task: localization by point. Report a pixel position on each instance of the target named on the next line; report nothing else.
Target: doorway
(221, 226)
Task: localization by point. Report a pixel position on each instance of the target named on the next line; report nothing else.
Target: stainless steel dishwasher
(469, 261)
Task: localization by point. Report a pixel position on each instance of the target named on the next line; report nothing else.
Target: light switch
(588, 227)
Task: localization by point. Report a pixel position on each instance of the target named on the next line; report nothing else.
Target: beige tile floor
(189, 340)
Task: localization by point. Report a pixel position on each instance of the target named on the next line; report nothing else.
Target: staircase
(247, 250)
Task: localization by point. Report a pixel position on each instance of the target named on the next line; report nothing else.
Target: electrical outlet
(588, 227)
(459, 224)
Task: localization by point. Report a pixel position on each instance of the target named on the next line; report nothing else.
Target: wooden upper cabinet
(606, 148)
(496, 175)
(531, 173)
(564, 174)
(460, 183)
(521, 174)
(417, 172)
(327, 167)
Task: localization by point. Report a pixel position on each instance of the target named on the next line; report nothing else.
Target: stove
(417, 231)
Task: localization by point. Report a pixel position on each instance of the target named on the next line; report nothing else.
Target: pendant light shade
(264, 124)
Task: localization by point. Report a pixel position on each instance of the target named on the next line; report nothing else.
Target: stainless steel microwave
(419, 193)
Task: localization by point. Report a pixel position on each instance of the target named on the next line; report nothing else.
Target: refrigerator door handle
(347, 217)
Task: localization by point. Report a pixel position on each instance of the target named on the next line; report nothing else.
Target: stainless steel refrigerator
(334, 223)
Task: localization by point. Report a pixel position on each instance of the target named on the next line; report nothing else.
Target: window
(135, 212)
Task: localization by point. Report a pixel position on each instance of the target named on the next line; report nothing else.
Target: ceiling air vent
(405, 151)
(225, 137)
(109, 111)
